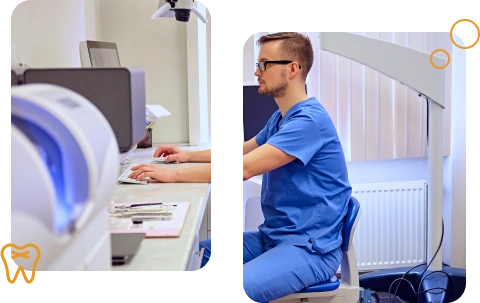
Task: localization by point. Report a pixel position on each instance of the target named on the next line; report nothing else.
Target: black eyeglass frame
(274, 62)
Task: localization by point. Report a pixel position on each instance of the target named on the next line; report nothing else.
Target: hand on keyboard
(172, 152)
(123, 178)
(155, 172)
(159, 160)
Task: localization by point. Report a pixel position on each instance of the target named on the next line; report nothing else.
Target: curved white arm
(199, 14)
(406, 65)
(162, 10)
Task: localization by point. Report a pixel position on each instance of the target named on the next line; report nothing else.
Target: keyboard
(123, 178)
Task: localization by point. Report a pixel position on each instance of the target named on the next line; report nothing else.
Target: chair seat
(329, 285)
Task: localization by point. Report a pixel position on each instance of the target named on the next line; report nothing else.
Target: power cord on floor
(421, 278)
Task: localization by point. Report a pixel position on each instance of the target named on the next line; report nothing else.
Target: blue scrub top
(305, 201)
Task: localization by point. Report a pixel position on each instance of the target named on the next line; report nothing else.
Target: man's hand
(172, 153)
(196, 174)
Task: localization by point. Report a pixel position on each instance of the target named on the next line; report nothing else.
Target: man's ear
(294, 70)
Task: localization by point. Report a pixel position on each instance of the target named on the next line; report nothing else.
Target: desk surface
(169, 254)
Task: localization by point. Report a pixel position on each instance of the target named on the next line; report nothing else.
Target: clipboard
(176, 212)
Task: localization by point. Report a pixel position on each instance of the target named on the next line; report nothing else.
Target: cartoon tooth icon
(19, 252)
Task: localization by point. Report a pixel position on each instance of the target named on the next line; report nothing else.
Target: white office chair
(345, 290)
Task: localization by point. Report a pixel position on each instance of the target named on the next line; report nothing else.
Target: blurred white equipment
(179, 8)
(64, 170)
(155, 112)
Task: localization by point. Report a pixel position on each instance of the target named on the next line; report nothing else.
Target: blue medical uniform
(303, 202)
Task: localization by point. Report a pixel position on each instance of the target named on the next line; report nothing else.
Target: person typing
(194, 174)
(173, 153)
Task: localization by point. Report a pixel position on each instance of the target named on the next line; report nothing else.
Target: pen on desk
(142, 210)
(143, 204)
(139, 219)
(141, 215)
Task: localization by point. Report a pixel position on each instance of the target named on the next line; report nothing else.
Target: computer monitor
(257, 109)
(99, 54)
(119, 93)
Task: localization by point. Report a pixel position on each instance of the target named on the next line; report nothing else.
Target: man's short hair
(294, 46)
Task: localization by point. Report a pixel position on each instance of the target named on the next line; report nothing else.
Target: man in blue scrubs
(305, 188)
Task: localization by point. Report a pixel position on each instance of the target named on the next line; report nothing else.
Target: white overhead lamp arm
(413, 69)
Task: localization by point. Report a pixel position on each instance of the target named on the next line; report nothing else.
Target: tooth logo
(21, 254)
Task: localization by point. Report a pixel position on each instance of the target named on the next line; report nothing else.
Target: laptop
(125, 246)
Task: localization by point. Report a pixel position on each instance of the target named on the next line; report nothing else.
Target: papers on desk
(156, 219)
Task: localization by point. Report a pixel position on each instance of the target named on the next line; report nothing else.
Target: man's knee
(251, 287)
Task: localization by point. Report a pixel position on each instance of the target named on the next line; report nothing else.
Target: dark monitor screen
(257, 109)
(99, 54)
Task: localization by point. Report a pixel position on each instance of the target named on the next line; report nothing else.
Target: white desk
(170, 254)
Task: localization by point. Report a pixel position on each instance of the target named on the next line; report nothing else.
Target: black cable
(399, 280)
(413, 290)
(441, 241)
(396, 290)
(438, 249)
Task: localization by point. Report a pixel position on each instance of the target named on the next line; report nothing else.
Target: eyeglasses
(262, 65)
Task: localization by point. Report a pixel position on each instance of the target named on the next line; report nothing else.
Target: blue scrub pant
(271, 272)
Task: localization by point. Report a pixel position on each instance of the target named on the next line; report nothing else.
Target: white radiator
(393, 226)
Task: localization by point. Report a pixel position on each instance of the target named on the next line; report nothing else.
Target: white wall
(211, 72)
(454, 213)
(39, 40)
(159, 47)
(46, 33)
(248, 60)
(92, 17)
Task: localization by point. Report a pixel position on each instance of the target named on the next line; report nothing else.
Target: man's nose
(257, 72)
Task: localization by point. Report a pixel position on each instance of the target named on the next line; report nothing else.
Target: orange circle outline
(464, 47)
(439, 50)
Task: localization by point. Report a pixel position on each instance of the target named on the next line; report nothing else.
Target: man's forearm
(204, 156)
(195, 174)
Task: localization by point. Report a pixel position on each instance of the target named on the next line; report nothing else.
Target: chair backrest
(253, 214)
(349, 223)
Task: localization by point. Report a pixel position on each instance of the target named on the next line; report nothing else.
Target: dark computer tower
(119, 93)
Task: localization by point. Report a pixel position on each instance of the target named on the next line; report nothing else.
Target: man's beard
(277, 91)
